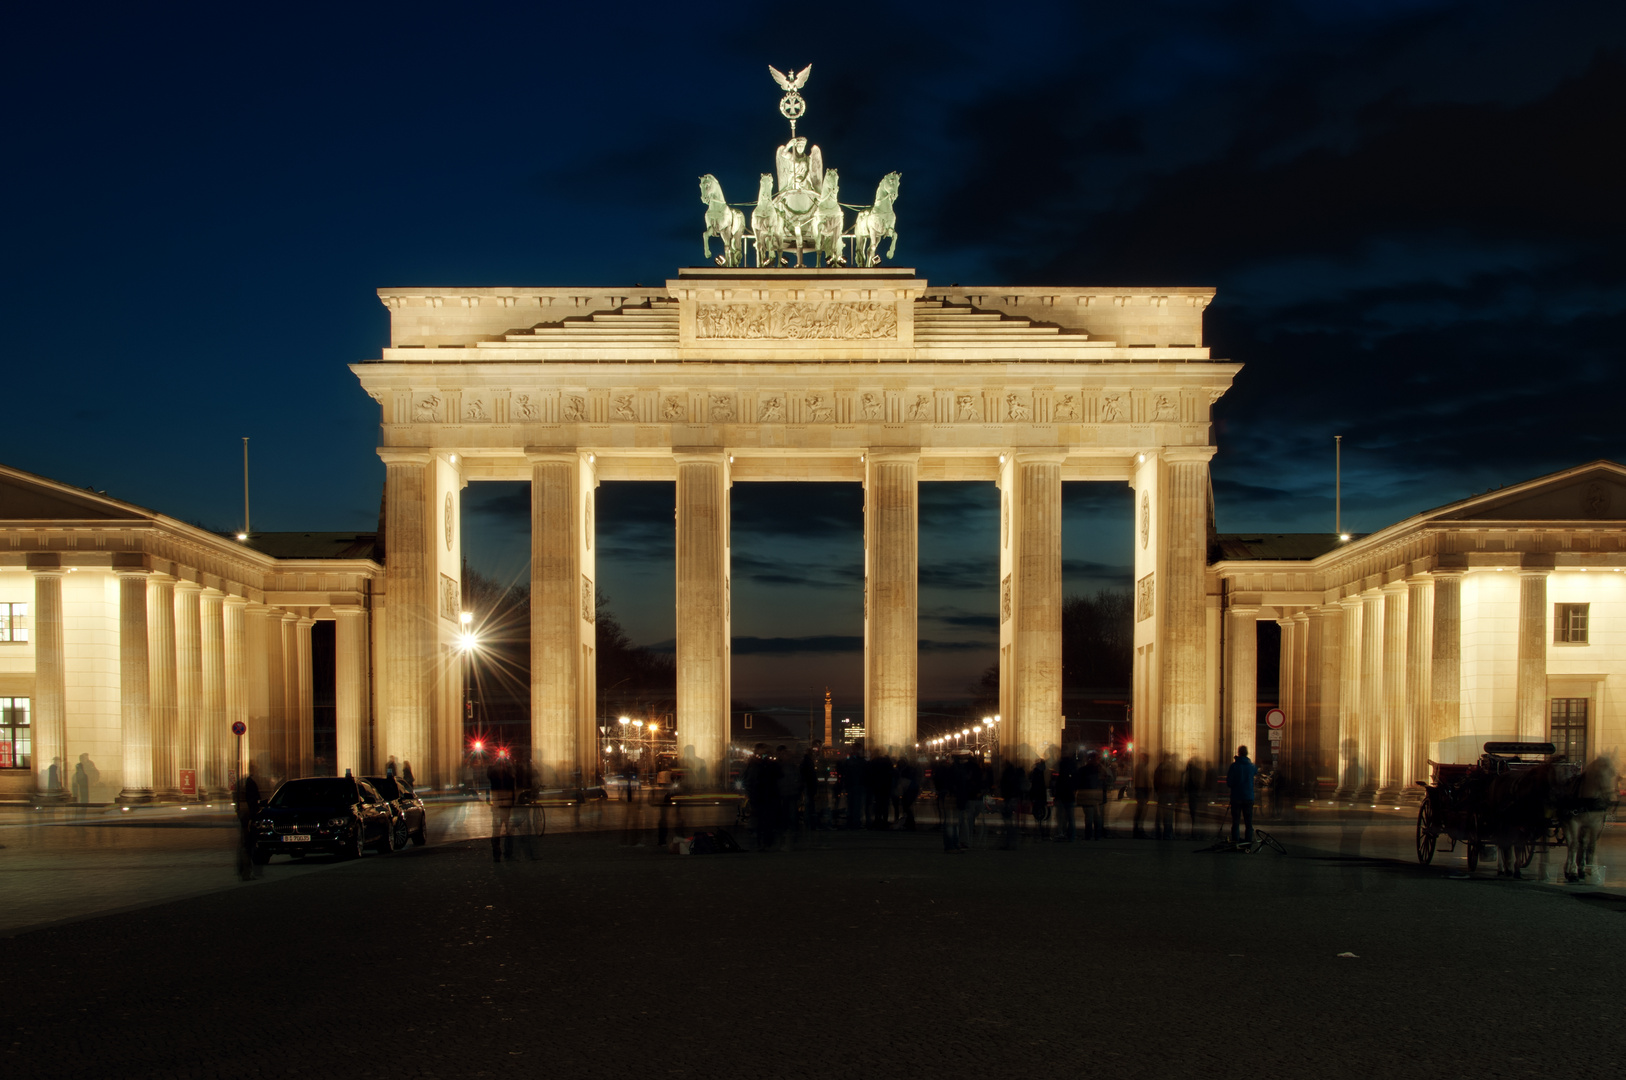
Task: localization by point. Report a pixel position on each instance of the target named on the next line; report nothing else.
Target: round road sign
(238, 727)
(1275, 718)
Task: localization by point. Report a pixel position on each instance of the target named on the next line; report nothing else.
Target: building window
(1567, 730)
(15, 734)
(1569, 624)
(13, 624)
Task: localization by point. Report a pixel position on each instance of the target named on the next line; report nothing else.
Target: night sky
(1413, 213)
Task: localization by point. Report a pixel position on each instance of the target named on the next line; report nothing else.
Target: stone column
(166, 750)
(1370, 735)
(1030, 609)
(135, 713)
(1241, 679)
(1306, 737)
(891, 599)
(1349, 698)
(290, 726)
(564, 735)
(306, 717)
(269, 745)
(1183, 565)
(1532, 671)
(213, 736)
(1299, 712)
(236, 679)
(1445, 674)
(1419, 647)
(410, 627)
(1392, 739)
(257, 686)
(50, 707)
(1330, 695)
(1284, 680)
(188, 682)
(703, 673)
(350, 686)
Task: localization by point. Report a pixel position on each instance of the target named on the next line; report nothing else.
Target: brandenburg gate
(781, 371)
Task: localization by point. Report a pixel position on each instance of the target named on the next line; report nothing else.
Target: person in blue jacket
(1240, 781)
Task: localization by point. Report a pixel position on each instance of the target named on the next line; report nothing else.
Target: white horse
(828, 219)
(723, 222)
(1583, 809)
(765, 225)
(877, 222)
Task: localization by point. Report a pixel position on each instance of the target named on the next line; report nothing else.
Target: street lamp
(466, 642)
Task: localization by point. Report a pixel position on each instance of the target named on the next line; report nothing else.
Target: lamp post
(466, 642)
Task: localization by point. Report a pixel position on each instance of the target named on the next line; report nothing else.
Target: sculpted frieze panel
(426, 409)
(1114, 408)
(722, 408)
(920, 408)
(674, 407)
(795, 320)
(476, 410)
(1017, 408)
(624, 406)
(1165, 408)
(1064, 407)
(771, 408)
(871, 405)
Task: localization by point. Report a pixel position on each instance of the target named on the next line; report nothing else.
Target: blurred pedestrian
(808, 773)
(247, 799)
(500, 775)
(81, 784)
(948, 809)
(1010, 804)
(850, 775)
(1193, 784)
(406, 774)
(1240, 780)
(762, 794)
(1065, 788)
(908, 791)
(881, 777)
(1143, 793)
(391, 769)
(1166, 786)
(1039, 798)
(1093, 784)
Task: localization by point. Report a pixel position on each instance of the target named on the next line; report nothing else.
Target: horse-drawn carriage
(1518, 800)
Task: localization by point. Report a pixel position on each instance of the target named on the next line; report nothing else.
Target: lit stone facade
(727, 376)
(146, 638)
(1502, 616)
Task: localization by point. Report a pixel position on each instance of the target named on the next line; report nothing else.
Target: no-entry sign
(1275, 719)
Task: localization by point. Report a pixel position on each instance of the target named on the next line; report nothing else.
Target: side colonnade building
(130, 642)
(1499, 617)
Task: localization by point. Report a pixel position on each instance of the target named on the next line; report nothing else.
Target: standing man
(1240, 780)
(1065, 786)
(500, 774)
(809, 773)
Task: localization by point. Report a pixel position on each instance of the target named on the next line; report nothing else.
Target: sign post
(239, 729)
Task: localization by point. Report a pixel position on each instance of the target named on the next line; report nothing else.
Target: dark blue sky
(1413, 214)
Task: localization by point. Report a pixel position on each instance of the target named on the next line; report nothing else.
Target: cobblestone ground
(869, 955)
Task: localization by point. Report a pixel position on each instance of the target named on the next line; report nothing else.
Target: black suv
(326, 813)
(411, 821)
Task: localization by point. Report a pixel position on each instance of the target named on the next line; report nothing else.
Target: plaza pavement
(865, 954)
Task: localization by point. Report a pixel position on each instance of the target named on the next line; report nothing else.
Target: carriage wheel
(1426, 833)
(1523, 852)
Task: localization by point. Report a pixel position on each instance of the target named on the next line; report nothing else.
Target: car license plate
(296, 839)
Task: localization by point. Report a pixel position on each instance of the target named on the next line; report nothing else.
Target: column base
(1390, 794)
(50, 798)
(136, 797)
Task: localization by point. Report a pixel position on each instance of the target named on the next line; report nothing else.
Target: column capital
(183, 585)
(876, 457)
(1348, 602)
(405, 456)
(43, 561)
(255, 607)
(348, 609)
(131, 572)
(1535, 572)
(232, 600)
(699, 455)
(1301, 616)
(1174, 454)
(1393, 586)
(1038, 457)
(1456, 572)
(305, 622)
(561, 456)
(48, 571)
(285, 616)
(158, 577)
(1243, 612)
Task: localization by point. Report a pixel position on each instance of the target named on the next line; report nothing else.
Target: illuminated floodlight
(466, 618)
(242, 536)
(1344, 537)
(466, 641)
(624, 721)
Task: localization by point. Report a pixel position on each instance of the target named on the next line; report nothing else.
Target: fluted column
(50, 707)
(350, 688)
(213, 734)
(305, 719)
(1285, 672)
(410, 636)
(703, 659)
(564, 707)
(1532, 670)
(1349, 698)
(1293, 737)
(234, 632)
(188, 682)
(1370, 737)
(289, 728)
(135, 682)
(1329, 721)
(1183, 627)
(166, 749)
(1306, 737)
(1241, 678)
(269, 746)
(1419, 646)
(1030, 608)
(1393, 733)
(891, 599)
(1445, 668)
(258, 623)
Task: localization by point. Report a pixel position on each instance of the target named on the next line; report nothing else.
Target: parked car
(411, 820)
(327, 813)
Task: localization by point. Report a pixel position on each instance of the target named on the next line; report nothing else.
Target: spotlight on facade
(466, 641)
(242, 536)
(466, 618)
(1343, 538)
